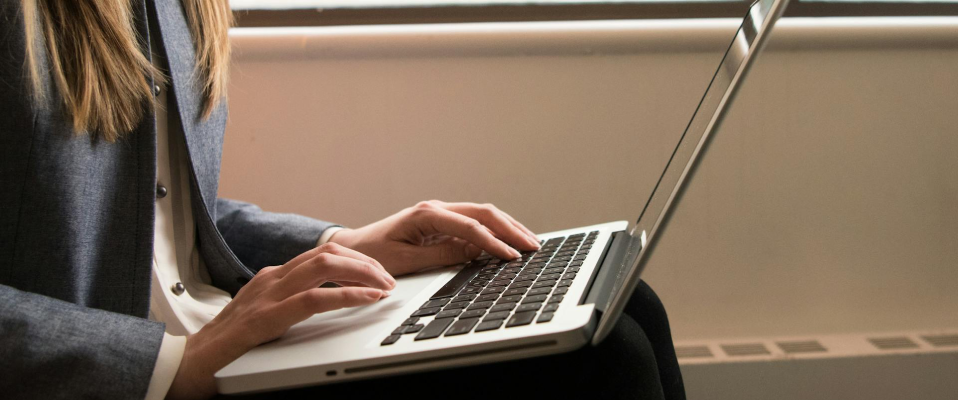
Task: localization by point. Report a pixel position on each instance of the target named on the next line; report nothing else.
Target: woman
(121, 273)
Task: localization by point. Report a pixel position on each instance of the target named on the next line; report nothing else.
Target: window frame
(574, 12)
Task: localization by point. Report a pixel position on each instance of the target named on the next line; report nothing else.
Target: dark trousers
(636, 361)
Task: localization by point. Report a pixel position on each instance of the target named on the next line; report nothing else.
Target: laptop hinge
(609, 266)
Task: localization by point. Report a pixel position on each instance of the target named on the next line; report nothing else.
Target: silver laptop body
(567, 295)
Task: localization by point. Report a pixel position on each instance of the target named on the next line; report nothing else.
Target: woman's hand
(433, 233)
(275, 299)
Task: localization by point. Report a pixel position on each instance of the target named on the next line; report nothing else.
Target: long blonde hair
(98, 68)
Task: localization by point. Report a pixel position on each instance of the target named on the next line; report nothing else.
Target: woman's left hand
(434, 233)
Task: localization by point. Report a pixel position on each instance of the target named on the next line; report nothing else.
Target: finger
(305, 304)
(331, 248)
(441, 220)
(328, 267)
(497, 221)
(521, 226)
(449, 252)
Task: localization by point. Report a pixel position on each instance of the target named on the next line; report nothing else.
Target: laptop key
(473, 314)
(462, 326)
(459, 281)
(509, 299)
(422, 312)
(470, 290)
(544, 284)
(565, 282)
(435, 303)
(456, 305)
(523, 284)
(556, 299)
(528, 307)
(489, 325)
(399, 330)
(561, 290)
(434, 329)
(513, 292)
(413, 329)
(479, 306)
(449, 313)
(487, 297)
(390, 340)
(411, 321)
(519, 319)
(502, 307)
(496, 315)
(542, 290)
(545, 317)
(551, 307)
(534, 299)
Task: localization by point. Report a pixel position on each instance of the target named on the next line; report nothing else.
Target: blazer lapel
(204, 138)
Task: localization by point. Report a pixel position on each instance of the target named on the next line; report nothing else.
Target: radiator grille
(747, 349)
(693, 352)
(893, 343)
(942, 340)
(806, 346)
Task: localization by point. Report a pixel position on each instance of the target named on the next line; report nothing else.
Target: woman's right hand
(275, 299)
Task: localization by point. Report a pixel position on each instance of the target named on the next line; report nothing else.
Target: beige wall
(828, 202)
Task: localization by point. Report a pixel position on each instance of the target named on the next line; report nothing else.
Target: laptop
(566, 295)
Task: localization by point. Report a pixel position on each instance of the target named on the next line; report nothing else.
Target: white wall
(828, 202)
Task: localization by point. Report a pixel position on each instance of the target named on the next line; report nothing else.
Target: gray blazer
(76, 226)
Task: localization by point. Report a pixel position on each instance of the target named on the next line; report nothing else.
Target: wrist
(204, 354)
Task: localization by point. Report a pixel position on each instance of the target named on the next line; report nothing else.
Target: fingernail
(373, 294)
(386, 294)
(533, 242)
(515, 254)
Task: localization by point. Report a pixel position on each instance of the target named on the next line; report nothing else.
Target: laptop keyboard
(489, 293)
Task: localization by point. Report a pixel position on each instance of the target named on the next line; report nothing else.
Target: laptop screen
(747, 41)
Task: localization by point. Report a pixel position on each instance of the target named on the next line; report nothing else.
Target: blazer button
(178, 288)
(160, 191)
(156, 90)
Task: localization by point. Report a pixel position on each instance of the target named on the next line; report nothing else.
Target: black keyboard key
(422, 312)
(499, 282)
(449, 313)
(462, 326)
(479, 306)
(489, 325)
(519, 319)
(496, 315)
(413, 329)
(580, 258)
(564, 283)
(459, 281)
(542, 290)
(473, 314)
(569, 275)
(399, 330)
(513, 292)
(526, 277)
(561, 290)
(534, 299)
(470, 290)
(509, 299)
(497, 289)
(467, 298)
(549, 277)
(487, 297)
(528, 307)
(411, 321)
(435, 303)
(556, 299)
(457, 305)
(434, 329)
(572, 269)
(551, 307)
(502, 307)
(545, 317)
(544, 284)
(523, 284)
(390, 340)
(551, 271)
